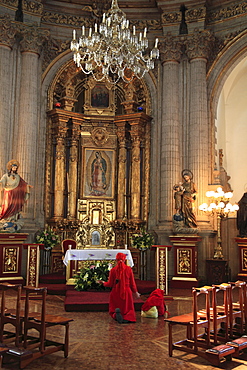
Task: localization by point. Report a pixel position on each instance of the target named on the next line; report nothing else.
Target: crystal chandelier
(111, 51)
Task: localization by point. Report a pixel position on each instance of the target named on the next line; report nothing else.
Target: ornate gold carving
(227, 12)
(34, 7)
(96, 221)
(10, 260)
(10, 3)
(195, 14)
(162, 269)
(78, 21)
(170, 18)
(100, 136)
(184, 261)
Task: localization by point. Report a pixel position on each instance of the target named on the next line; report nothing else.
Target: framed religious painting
(98, 173)
(99, 98)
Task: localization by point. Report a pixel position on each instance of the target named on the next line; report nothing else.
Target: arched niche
(227, 92)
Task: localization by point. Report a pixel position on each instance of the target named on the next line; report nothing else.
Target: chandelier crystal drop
(111, 51)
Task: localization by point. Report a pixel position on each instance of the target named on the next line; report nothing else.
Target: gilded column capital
(171, 49)
(199, 44)
(7, 32)
(33, 39)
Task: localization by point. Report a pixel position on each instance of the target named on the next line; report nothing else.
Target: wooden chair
(196, 343)
(39, 345)
(68, 244)
(238, 310)
(220, 313)
(6, 317)
(192, 321)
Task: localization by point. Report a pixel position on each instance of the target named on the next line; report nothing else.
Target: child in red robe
(154, 305)
(122, 282)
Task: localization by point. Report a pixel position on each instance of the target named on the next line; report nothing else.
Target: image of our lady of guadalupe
(98, 185)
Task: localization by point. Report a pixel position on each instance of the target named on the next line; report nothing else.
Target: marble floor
(98, 342)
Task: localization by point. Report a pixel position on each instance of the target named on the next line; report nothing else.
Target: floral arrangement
(91, 273)
(143, 240)
(48, 238)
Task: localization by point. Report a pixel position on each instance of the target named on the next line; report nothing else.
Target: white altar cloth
(96, 254)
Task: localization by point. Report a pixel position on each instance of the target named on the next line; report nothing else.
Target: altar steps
(56, 284)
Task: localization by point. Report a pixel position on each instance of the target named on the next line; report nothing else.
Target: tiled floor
(98, 342)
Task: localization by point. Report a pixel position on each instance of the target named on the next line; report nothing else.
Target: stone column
(7, 39)
(60, 172)
(27, 133)
(72, 177)
(136, 134)
(122, 157)
(197, 49)
(171, 147)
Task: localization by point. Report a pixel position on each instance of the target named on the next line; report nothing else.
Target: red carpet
(91, 301)
(56, 284)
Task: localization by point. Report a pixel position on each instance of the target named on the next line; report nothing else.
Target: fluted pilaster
(122, 157)
(170, 131)
(197, 49)
(60, 173)
(136, 134)
(7, 39)
(72, 178)
(25, 148)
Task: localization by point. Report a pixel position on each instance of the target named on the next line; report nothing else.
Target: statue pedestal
(11, 245)
(242, 247)
(217, 271)
(161, 266)
(185, 261)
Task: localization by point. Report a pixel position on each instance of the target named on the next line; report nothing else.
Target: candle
(156, 43)
(95, 28)
(103, 19)
(134, 30)
(140, 36)
(125, 246)
(145, 32)
(70, 246)
(90, 32)
(74, 34)
(83, 30)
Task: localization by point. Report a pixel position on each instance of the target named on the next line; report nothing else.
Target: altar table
(92, 255)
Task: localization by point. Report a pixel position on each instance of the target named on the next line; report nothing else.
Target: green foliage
(143, 240)
(88, 276)
(48, 238)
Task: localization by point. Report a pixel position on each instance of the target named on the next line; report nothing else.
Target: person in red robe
(122, 282)
(156, 299)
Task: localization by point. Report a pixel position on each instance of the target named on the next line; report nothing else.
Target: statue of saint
(15, 192)
(184, 220)
(188, 198)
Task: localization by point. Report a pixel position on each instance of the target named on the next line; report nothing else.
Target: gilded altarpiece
(97, 161)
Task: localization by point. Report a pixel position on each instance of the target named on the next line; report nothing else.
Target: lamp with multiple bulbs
(221, 206)
(111, 51)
